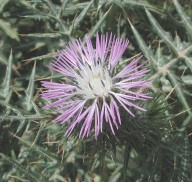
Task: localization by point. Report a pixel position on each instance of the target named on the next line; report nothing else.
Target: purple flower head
(92, 90)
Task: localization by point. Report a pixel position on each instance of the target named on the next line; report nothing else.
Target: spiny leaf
(39, 150)
(9, 31)
(37, 46)
(49, 55)
(26, 3)
(187, 121)
(30, 174)
(185, 20)
(143, 4)
(22, 125)
(179, 91)
(81, 16)
(24, 117)
(37, 1)
(147, 53)
(166, 85)
(187, 79)
(30, 89)
(42, 126)
(74, 8)
(126, 61)
(159, 55)
(98, 24)
(63, 6)
(55, 15)
(185, 162)
(6, 86)
(42, 35)
(3, 4)
(188, 62)
(173, 61)
(37, 17)
(159, 30)
(179, 44)
(51, 7)
(19, 115)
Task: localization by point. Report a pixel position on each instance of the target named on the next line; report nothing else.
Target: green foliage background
(155, 146)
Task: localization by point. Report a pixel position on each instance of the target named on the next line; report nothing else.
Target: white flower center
(93, 81)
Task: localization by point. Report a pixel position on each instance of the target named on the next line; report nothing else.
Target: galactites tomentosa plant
(91, 91)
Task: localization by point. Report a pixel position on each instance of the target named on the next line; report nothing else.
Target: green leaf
(81, 16)
(147, 53)
(162, 34)
(30, 89)
(184, 162)
(185, 20)
(142, 4)
(49, 55)
(74, 8)
(37, 17)
(39, 150)
(51, 6)
(56, 15)
(179, 91)
(187, 79)
(3, 4)
(26, 3)
(98, 24)
(185, 124)
(188, 62)
(8, 30)
(28, 173)
(63, 6)
(42, 35)
(6, 86)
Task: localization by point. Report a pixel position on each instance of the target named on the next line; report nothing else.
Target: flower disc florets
(93, 91)
(93, 81)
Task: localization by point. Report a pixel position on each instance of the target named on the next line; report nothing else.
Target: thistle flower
(92, 91)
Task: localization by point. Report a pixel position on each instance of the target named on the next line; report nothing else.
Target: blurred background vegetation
(155, 146)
